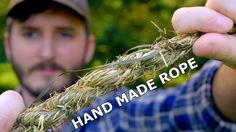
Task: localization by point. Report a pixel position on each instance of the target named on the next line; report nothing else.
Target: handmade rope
(103, 80)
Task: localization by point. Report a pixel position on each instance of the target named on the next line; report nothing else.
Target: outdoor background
(118, 26)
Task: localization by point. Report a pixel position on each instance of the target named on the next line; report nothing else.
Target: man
(205, 103)
(45, 39)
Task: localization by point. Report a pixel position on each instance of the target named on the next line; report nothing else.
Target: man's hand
(11, 104)
(215, 19)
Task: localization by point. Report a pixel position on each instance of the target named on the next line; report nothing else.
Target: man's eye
(30, 34)
(65, 35)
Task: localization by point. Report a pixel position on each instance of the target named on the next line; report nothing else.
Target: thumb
(217, 46)
(11, 105)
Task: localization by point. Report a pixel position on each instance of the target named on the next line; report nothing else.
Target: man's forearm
(224, 92)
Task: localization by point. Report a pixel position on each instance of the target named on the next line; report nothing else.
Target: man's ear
(90, 48)
(7, 46)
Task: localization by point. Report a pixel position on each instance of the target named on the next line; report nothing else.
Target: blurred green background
(118, 25)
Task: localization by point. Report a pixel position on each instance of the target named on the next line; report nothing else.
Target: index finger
(200, 19)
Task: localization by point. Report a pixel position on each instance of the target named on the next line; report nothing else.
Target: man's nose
(48, 49)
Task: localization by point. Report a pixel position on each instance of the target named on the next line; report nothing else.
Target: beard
(45, 92)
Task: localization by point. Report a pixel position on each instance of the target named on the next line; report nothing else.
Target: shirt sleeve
(189, 107)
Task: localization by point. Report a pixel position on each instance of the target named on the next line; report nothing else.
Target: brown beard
(45, 93)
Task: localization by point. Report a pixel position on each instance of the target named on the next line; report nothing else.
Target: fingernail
(224, 23)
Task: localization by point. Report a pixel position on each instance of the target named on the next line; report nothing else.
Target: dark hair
(25, 10)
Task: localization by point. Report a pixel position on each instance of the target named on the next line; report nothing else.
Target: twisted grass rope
(104, 79)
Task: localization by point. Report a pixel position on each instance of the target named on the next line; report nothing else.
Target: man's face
(46, 45)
